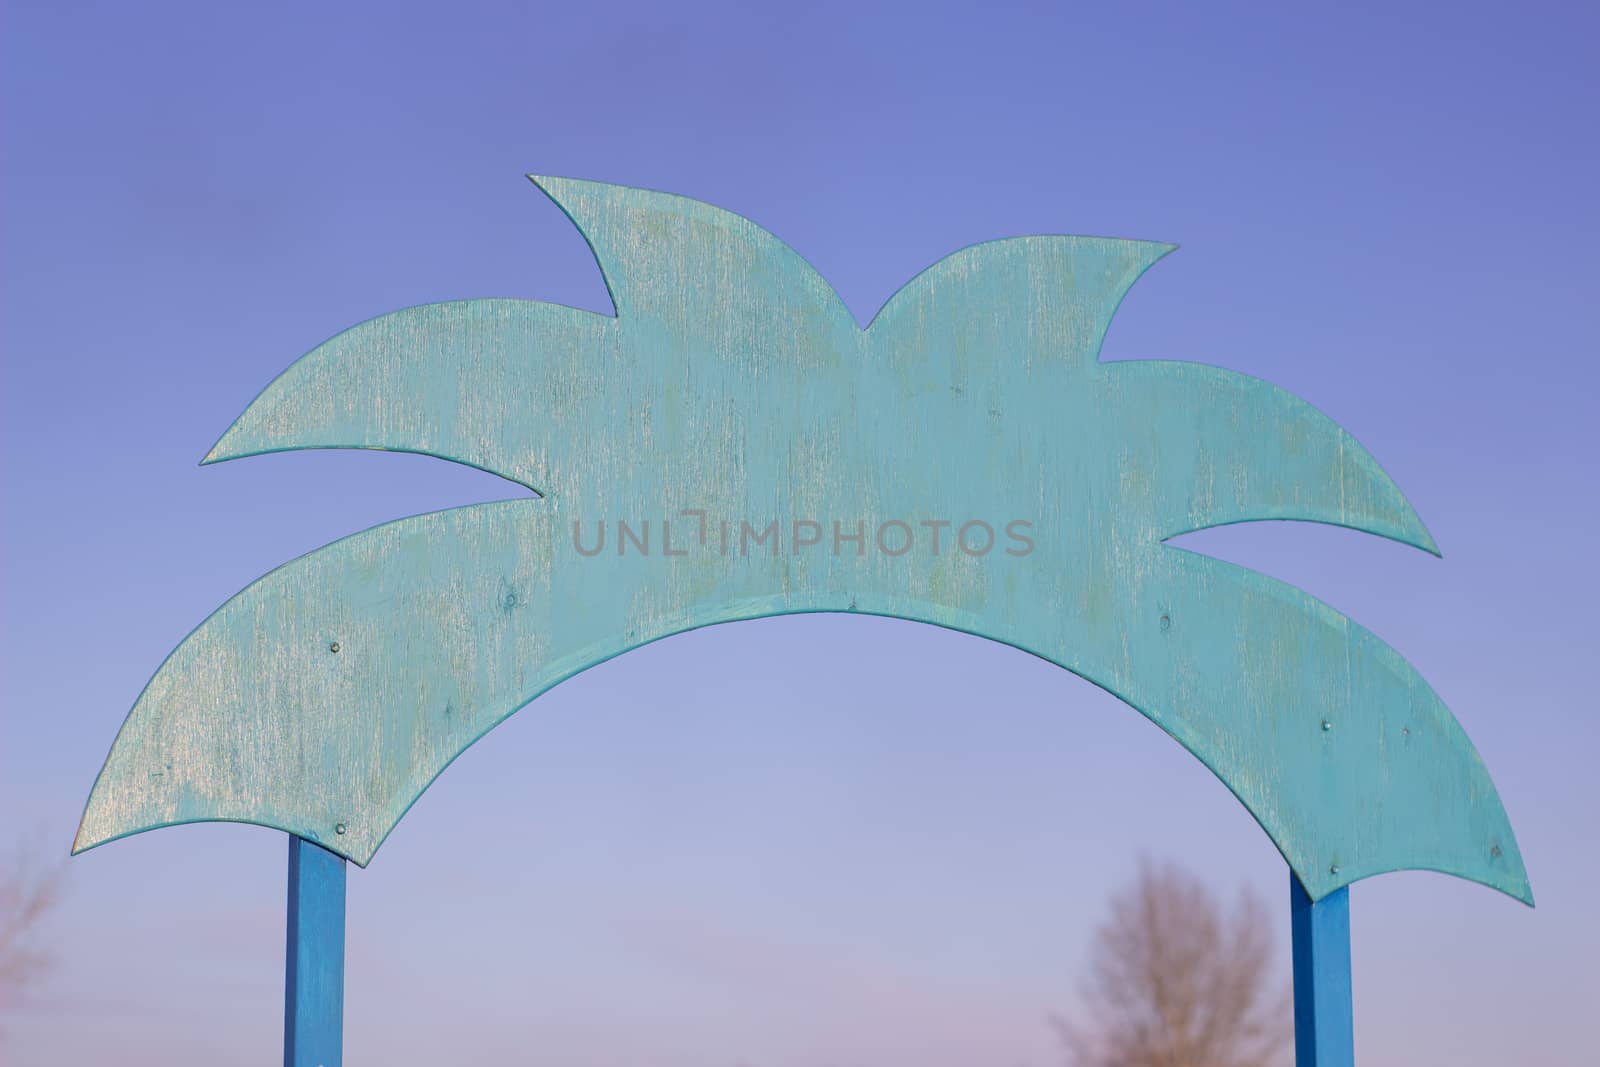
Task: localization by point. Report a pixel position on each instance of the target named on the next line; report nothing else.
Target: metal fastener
(339, 829)
(334, 647)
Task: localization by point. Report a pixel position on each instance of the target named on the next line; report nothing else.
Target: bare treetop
(1174, 981)
(28, 891)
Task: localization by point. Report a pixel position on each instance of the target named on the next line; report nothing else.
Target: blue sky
(806, 841)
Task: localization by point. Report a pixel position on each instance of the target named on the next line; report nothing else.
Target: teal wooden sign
(731, 445)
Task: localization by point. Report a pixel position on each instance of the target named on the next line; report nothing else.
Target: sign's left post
(313, 1005)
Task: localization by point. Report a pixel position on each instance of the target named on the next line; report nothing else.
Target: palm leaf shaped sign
(731, 444)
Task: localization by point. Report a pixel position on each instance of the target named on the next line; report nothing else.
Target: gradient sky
(814, 841)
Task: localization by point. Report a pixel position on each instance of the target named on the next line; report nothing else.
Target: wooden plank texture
(313, 1002)
(1324, 1021)
(732, 390)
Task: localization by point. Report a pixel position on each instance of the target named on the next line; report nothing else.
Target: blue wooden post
(1324, 1027)
(313, 1006)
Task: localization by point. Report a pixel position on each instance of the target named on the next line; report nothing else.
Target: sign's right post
(1324, 1028)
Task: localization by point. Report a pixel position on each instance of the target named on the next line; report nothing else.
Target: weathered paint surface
(1324, 1014)
(732, 382)
(313, 1008)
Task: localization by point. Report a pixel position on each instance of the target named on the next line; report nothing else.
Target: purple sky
(810, 841)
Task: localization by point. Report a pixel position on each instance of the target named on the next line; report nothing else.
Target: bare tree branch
(1174, 982)
(29, 890)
